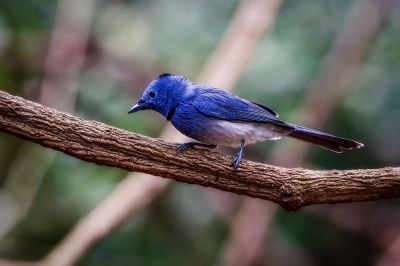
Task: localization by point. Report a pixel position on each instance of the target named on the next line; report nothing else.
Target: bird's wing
(226, 106)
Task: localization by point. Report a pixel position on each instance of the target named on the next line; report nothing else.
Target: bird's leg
(187, 145)
(236, 161)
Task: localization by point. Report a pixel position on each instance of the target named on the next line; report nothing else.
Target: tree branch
(105, 145)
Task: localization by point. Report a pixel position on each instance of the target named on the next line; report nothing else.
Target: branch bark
(95, 142)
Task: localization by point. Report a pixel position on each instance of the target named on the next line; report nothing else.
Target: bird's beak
(137, 107)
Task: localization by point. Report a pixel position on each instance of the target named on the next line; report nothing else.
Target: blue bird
(214, 117)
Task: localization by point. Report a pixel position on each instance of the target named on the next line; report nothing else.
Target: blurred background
(333, 65)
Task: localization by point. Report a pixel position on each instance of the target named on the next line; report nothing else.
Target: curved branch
(95, 142)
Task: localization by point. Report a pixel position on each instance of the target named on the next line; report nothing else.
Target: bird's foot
(238, 158)
(236, 161)
(185, 146)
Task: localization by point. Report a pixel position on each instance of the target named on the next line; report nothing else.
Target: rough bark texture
(105, 145)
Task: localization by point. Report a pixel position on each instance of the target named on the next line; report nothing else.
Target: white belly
(231, 134)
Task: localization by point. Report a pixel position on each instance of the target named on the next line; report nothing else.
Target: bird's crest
(165, 75)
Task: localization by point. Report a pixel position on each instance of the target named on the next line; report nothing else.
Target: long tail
(322, 139)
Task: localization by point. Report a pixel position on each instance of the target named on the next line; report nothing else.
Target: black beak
(141, 105)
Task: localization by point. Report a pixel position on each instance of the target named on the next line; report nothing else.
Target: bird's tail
(322, 139)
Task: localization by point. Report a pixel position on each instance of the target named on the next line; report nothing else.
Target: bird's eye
(152, 94)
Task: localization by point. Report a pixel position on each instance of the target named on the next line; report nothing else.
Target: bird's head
(162, 94)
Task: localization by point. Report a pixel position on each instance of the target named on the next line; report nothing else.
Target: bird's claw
(188, 145)
(238, 158)
(236, 162)
(182, 147)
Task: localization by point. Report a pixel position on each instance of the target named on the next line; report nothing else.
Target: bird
(212, 116)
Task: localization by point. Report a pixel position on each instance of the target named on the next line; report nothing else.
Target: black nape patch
(165, 75)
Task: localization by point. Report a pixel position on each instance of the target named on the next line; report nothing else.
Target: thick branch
(105, 145)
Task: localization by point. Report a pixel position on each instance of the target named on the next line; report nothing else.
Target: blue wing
(220, 104)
